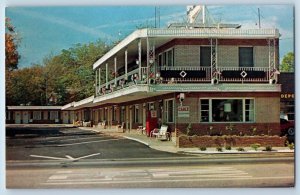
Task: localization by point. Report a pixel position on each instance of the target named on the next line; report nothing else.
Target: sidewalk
(170, 146)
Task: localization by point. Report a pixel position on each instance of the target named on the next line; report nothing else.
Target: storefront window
(227, 110)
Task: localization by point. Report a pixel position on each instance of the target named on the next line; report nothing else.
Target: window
(37, 115)
(249, 110)
(136, 114)
(246, 57)
(166, 58)
(204, 114)
(53, 115)
(205, 56)
(151, 106)
(169, 111)
(226, 110)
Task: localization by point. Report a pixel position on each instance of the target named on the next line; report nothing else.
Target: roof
(172, 33)
(34, 107)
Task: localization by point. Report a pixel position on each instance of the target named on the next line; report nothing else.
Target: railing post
(96, 83)
(140, 58)
(99, 80)
(115, 71)
(126, 53)
(106, 75)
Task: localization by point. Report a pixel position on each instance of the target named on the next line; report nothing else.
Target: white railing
(119, 82)
(214, 32)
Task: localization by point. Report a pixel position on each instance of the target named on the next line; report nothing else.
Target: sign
(287, 96)
(153, 114)
(183, 111)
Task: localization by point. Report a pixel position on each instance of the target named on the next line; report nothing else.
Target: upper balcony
(153, 57)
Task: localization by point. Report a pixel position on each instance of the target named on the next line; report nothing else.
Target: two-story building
(210, 77)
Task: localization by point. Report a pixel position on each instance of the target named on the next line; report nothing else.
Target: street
(63, 157)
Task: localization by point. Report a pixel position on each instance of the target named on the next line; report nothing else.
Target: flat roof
(34, 107)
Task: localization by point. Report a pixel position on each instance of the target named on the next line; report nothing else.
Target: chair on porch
(121, 127)
(161, 133)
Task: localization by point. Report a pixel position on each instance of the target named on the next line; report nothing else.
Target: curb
(137, 140)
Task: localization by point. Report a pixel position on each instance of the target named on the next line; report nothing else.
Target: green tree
(288, 63)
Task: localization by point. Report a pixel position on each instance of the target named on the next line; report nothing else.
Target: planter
(234, 141)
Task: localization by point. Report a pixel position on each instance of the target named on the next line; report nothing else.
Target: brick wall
(222, 129)
(267, 109)
(187, 55)
(235, 141)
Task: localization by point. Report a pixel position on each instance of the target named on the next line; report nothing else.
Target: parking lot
(44, 143)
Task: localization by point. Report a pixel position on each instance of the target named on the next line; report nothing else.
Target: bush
(255, 146)
(228, 147)
(291, 146)
(219, 149)
(202, 148)
(240, 149)
(268, 148)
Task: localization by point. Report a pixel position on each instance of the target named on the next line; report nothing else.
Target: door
(65, 117)
(25, 117)
(18, 117)
(72, 119)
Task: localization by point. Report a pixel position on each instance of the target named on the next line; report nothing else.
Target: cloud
(63, 22)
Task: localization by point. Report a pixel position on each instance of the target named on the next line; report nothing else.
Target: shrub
(268, 148)
(255, 146)
(228, 147)
(202, 148)
(291, 146)
(240, 149)
(219, 149)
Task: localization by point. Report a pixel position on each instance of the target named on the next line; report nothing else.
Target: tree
(11, 45)
(288, 63)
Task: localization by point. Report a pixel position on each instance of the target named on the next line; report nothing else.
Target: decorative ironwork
(183, 74)
(214, 62)
(272, 59)
(243, 74)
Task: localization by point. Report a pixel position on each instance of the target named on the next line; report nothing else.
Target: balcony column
(99, 80)
(106, 75)
(96, 86)
(115, 59)
(126, 62)
(140, 58)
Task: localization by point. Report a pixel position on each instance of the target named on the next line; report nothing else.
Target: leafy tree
(288, 63)
(67, 77)
(24, 86)
(11, 45)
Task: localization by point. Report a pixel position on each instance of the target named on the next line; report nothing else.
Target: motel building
(193, 74)
(203, 76)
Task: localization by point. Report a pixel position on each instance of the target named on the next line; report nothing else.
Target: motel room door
(17, 117)
(25, 117)
(65, 117)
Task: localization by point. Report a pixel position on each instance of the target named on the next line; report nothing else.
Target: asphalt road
(51, 143)
(59, 157)
(212, 176)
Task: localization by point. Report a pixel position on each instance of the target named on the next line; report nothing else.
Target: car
(287, 127)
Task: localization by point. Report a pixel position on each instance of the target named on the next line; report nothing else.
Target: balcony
(167, 75)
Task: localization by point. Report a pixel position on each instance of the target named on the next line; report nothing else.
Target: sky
(45, 31)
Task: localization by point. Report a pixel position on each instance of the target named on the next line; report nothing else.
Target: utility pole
(258, 10)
